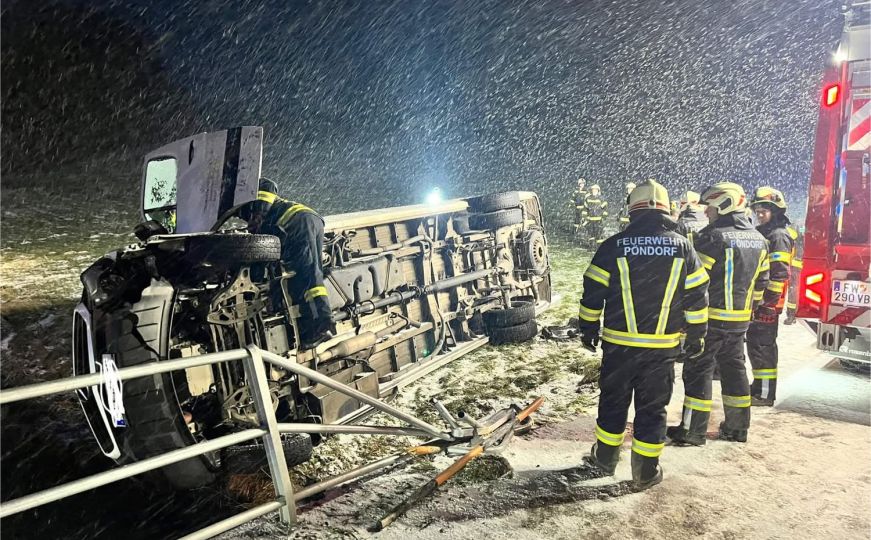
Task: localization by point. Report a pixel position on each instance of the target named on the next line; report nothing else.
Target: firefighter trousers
(724, 350)
(301, 251)
(762, 350)
(648, 375)
(595, 230)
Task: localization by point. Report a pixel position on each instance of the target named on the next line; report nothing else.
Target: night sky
(373, 103)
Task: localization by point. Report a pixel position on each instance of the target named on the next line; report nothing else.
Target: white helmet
(726, 197)
(649, 195)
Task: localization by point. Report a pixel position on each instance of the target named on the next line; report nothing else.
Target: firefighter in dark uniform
(692, 216)
(795, 265)
(579, 196)
(736, 258)
(594, 212)
(770, 209)
(623, 217)
(650, 284)
(301, 232)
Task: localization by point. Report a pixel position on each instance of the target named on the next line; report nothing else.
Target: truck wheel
(512, 334)
(231, 250)
(138, 334)
(855, 366)
(532, 252)
(246, 459)
(518, 313)
(495, 220)
(494, 202)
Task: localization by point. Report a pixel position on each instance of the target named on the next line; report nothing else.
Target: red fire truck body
(834, 287)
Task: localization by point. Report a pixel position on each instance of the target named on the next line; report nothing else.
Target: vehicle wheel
(230, 250)
(495, 220)
(494, 201)
(520, 312)
(855, 366)
(532, 252)
(138, 334)
(246, 459)
(512, 334)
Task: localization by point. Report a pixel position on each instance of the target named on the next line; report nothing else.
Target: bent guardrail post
(256, 371)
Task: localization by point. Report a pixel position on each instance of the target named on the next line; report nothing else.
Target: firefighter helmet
(267, 193)
(596, 187)
(769, 195)
(630, 186)
(582, 181)
(689, 197)
(649, 195)
(726, 197)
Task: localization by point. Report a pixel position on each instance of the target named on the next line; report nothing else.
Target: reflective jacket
(578, 198)
(736, 258)
(623, 216)
(780, 245)
(595, 208)
(692, 221)
(650, 284)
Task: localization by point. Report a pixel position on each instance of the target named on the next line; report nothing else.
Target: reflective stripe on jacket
(780, 246)
(736, 257)
(649, 283)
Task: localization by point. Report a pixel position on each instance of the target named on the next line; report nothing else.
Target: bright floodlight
(434, 196)
(840, 55)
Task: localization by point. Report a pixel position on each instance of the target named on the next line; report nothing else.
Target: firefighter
(736, 258)
(624, 212)
(650, 284)
(795, 265)
(301, 232)
(595, 210)
(770, 209)
(579, 197)
(692, 216)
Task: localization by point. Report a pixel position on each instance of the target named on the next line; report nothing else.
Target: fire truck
(834, 290)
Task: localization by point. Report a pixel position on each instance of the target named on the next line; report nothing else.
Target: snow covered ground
(804, 473)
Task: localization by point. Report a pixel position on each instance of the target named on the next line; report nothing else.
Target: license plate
(851, 293)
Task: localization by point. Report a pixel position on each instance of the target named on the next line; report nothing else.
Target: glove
(693, 348)
(590, 337)
(765, 315)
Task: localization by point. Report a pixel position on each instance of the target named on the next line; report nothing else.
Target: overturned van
(425, 283)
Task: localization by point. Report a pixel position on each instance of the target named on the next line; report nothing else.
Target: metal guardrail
(269, 431)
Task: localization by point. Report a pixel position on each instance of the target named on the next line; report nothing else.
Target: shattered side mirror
(160, 191)
(149, 228)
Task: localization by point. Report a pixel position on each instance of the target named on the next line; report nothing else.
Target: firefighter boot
(603, 457)
(734, 428)
(695, 434)
(646, 471)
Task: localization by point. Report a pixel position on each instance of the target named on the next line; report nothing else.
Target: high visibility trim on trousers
(670, 288)
(266, 196)
(626, 293)
(635, 339)
(647, 449)
(729, 278)
(624, 220)
(797, 263)
(594, 218)
(697, 404)
(587, 314)
(611, 439)
(791, 305)
(762, 374)
(736, 315)
(738, 402)
(696, 317)
(697, 278)
(598, 275)
(776, 286)
(758, 295)
(708, 262)
(292, 211)
(779, 256)
(314, 292)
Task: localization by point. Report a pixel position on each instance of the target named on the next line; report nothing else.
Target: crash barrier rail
(254, 360)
